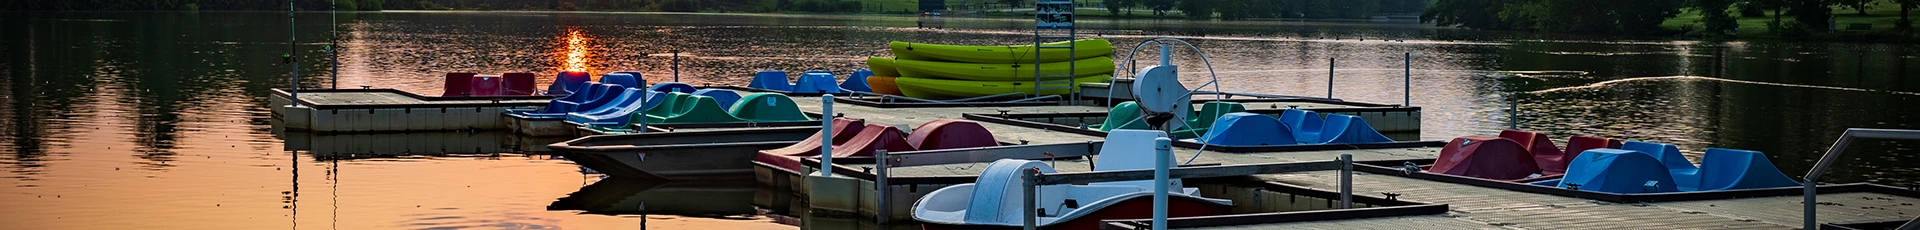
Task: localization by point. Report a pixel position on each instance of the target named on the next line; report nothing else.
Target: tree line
(373, 5)
(1243, 9)
(1639, 16)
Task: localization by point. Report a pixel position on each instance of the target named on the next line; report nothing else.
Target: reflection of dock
(389, 110)
(377, 145)
(706, 198)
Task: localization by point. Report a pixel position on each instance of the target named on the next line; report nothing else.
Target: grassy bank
(1882, 17)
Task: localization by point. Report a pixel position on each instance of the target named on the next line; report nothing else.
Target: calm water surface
(116, 120)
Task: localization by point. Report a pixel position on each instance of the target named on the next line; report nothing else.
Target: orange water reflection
(574, 54)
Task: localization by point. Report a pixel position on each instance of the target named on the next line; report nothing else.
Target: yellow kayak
(882, 66)
(883, 85)
(952, 89)
(1083, 49)
(1001, 72)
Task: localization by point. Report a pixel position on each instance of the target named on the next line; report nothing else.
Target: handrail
(1833, 154)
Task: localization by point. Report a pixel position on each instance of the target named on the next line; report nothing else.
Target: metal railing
(1163, 172)
(1833, 154)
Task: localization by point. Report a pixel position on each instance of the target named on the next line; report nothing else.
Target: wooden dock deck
(389, 110)
(1471, 207)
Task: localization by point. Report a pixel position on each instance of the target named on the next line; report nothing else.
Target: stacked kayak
(938, 71)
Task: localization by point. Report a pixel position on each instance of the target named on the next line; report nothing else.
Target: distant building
(933, 5)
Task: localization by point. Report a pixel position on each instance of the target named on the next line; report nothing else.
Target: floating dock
(390, 110)
(852, 189)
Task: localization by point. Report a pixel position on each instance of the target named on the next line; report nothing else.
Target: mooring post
(1028, 180)
(1408, 90)
(293, 42)
(826, 135)
(880, 186)
(644, 94)
(1162, 161)
(1513, 111)
(676, 66)
(1346, 181)
(1329, 77)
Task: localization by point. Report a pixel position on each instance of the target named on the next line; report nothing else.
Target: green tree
(1905, 5)
(1472, 14)
(1159, 7)
(1196, 8)
(1714, 14)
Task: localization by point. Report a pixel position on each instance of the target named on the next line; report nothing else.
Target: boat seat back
(1617, 171)
(670, 104)
(487, 85)
(565, 104)
(871, 138)
(1486, 158)
(518, 84)
(628, 101)
(457, 85)
(621, 79)
(998, 195)
(1212, 110)
(1724, 169)
(1248, 129)
(1125, 115)
(568, 82)
(843, 130)
(858, 82)
(1128, 149)
(771, 80)
(1349, 129)
(726, 98)
(768, 107)
(1668, 154)
(950, 134)
(694, 109)
(815, 82)
(1306, 124)
(601, 96)
(673, 87)
(1542, 147)
(628, 97)
(1575, 146)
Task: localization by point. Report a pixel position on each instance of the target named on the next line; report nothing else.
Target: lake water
(115, 120)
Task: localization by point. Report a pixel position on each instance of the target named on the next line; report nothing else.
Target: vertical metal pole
(676, 66)
(1329, 77)
(880, 186)
(1808, 203)
(1346, 181)
(644, 94)
(333, 44)
(1513, 111)
(826, 135)
(1166, 54)
(1028, 180)
(1408, 90)
(293, 38)
(1162, 161)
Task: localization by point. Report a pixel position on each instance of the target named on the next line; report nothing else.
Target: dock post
(1513, 112)
(1346, 181)
(826, 135)
(1162, 157)
(1028, 179)
(643, 106)
(1329, 77)
(676, 66)
(1408, 90)
(880, 186)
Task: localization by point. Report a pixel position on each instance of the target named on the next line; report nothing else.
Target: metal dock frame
(1039, 41)
(1833, 154)
(1033, 179)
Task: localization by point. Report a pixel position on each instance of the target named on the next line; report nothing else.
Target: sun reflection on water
(575, 57)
